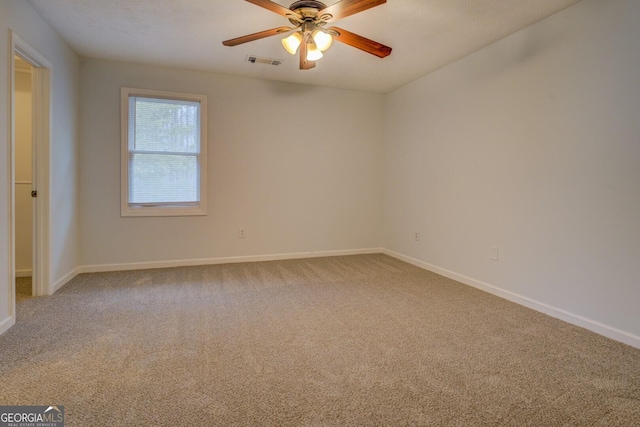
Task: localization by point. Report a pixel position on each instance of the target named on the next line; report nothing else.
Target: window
(164, 162)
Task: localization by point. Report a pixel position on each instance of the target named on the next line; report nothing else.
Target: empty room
(305, 213)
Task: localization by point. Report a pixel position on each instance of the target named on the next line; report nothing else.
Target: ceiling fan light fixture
(313, 53)
(292, 43)
(323, 40)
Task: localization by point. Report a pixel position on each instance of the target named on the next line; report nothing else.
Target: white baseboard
(65, 279)
(223, 260)
(574, 319)
(6, 324)
(24, 273)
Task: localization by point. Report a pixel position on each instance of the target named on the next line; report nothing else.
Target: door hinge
(34, 193)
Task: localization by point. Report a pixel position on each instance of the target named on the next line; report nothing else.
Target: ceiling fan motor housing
(307, 9)
(307, 3)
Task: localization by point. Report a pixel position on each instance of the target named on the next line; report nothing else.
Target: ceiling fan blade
(256, 36)
(345, 8)
(275, 7)
(304, 63)
(360, 42)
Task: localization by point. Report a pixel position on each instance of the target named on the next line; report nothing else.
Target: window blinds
(164, 152)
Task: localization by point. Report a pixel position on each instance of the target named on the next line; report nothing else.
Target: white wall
(531, 145)
(64, 239)
(298, 166)
(23, 175)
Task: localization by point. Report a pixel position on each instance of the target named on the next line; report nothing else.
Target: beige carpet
(23, 288)
(359, 340)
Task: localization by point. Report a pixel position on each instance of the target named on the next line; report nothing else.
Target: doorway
(25, 166)
(29, 171)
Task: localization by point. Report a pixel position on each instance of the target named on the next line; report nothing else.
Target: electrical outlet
(242, 233)
(493, 253)
(416, 236)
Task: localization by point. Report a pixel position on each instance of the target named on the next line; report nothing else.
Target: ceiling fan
(309, 18)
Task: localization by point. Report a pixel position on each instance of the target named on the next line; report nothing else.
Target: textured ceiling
(424, 34)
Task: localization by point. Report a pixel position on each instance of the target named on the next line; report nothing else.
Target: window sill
(128, 211)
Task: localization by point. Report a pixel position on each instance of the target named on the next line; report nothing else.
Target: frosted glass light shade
(313, 53)
(323, 40)
(292, 42)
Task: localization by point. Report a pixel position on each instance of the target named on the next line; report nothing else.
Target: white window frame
(168, 209)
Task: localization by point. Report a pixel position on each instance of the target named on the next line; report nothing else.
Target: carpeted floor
(359, 340)
(23, 288)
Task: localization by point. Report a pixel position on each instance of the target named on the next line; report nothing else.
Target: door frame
(41, 104)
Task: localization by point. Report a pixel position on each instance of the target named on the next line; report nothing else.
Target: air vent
(253, 59)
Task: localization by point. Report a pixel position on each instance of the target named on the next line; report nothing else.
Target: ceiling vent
(259, 60)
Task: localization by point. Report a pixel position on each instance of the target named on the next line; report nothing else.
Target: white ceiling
(424, 34)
